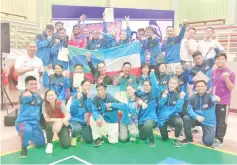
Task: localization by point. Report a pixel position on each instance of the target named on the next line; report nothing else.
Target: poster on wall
(139, 18)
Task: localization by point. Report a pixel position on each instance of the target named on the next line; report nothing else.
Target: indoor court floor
(128, 153)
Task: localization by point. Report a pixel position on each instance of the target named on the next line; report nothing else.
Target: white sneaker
(49, 148)
(132, 139)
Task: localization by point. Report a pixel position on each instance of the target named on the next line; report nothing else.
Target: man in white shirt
(208, 45)
(188, 47)
(28, 65)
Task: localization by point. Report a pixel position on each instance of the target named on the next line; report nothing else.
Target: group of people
(178, 89)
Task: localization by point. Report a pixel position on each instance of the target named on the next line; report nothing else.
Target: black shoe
(23, 153)
(185, 141)
(152, 144)
(98, 142)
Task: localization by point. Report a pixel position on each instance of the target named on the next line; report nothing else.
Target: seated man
(104, 120)
(201, 111)
(28, 120)
(125, 78)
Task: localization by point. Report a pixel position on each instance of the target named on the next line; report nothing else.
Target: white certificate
(77, 79)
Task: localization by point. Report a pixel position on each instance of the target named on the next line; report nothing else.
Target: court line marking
(203, 146)
(74, 157)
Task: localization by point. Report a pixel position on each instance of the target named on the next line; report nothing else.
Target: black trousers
(221, 120)
(63, 135)
(174, 121)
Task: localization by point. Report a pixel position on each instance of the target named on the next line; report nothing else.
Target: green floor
(128, 153)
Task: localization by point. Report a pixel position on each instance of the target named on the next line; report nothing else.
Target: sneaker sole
(99, 144)
(22, 157)
(152, 146)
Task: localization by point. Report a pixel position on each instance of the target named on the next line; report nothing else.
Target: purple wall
(73, 12)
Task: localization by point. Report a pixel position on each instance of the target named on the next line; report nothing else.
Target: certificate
(77, 79)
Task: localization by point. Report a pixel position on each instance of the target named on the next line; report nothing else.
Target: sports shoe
(217, 144)
(73, 141)
(152, 144)
(49, 148)
(133, 139)
(177, 143)
(185, 141)
(98, 142)
(23, 153)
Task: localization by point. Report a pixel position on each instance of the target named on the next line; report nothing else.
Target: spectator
(188, 47)
(59, 44)
(44, 44)
(99, 74)
(171, 47)
(223, 83)
(28, 65)
(141, 39)
(95, 43)
(77, 39)
(125, 78)
(207, 46)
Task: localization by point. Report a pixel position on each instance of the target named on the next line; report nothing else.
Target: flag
(113, 58)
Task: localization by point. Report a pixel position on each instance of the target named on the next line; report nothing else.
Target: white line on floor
(74, 157)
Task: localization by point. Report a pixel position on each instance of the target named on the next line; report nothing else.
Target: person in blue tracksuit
(143, 46)
(80, 105)
(147, 118)
(28, 120)
(169, 107)
(163, 77)
(44, 44)
(201, 65)
(201, 112)
(144, 76)
(183, 75)
(95, 43)
(153, 45)
(129, 121)
(171, 44)
(57, 82)
(78, 69)
(109, 39)
(125, 35)
(59, 43)
(104, 120)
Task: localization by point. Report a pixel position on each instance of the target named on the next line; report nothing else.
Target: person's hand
(31, 68)
(140, 102)
(144, 105)
(72, 36)
(164, 95)
(41, 96)
(152, 70)
(88, 93)
(82, 18)
(127, 19)
(190, 93)
(200, 118)
(121, 74)
(226, 75)
(67, 74)
(57, 41)
(65, 122)
(108, 105)
(182, 94)
(99, 122)
(88, 56)
(185, 22)
(216, 98)
(79, 95)
(27, 93)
